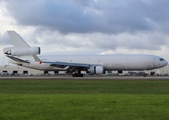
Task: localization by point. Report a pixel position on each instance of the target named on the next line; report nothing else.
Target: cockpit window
(161, 59)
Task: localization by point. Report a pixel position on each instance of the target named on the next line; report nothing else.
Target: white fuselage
(109, 62)
(22, 54)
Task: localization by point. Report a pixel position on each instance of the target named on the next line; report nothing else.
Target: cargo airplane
(23, 55)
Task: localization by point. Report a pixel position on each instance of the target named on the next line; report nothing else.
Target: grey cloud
(55, 15)
(63, 41)
(88, 16)
(105, 25)
(83, 3)
(139, 41)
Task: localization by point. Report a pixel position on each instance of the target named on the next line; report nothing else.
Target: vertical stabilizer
(17, 41)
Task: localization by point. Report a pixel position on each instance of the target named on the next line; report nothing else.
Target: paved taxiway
(87, 77)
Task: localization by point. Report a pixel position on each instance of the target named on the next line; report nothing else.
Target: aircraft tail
(17, 40)
(21, 48)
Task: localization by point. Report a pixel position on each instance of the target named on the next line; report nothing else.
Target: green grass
(84, 99)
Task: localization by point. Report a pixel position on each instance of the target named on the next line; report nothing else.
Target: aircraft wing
(65, 64)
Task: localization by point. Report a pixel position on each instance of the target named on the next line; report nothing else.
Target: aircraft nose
(166, 63)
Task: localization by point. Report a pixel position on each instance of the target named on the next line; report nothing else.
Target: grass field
(84, 99)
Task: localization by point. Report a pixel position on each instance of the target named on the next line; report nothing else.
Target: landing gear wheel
(77, 75)
(144, 75)
(81, 75)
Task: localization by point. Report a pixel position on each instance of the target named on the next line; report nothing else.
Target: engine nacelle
(22, 51)
(96, 70)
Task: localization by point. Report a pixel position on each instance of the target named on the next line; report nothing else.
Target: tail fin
(17, 41)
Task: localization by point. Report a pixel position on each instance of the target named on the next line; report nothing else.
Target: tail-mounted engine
(22, 51)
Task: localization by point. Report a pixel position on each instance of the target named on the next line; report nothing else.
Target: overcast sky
(88, 26)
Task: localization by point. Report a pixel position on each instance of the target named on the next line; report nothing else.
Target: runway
(67, 77)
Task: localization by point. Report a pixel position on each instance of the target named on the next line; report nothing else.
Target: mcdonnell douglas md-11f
(23, 55)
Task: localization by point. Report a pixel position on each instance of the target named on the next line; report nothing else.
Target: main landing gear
(144, 75)
(77, 75)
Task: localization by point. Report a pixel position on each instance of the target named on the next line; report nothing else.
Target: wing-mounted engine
(22, 51)
(96, 70)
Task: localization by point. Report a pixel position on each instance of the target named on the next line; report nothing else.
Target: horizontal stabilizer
(18, 59)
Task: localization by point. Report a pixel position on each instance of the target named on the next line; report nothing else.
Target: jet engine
(96, 70)
(22, 51)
